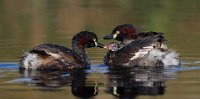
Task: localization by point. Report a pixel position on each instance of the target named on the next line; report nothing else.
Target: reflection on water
(52, 81)
(122, 82)
(28, 23)
(80, 88)
(99, 81)
(128, 83)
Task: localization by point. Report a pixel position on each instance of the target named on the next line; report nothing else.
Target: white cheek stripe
(115, 35)
(95, 43)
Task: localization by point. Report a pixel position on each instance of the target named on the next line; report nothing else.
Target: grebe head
(85, 39)
(123, 32)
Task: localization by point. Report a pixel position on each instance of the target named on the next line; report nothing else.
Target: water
(26, 24)
(100, 81)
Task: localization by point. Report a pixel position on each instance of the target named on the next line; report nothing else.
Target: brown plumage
(124, 54)
(139, 48)
(58, 57)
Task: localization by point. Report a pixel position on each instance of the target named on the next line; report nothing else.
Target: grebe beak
(110, 36)
(99, 45)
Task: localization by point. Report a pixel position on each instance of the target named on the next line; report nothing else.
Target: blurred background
(27, 23)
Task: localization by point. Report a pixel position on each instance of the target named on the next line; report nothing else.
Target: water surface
(27, 23)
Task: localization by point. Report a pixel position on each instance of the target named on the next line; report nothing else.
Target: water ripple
(9, 65)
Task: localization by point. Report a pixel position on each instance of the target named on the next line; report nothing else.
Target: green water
(27, 23)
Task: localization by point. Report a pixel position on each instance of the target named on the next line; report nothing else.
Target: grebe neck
(80, 50)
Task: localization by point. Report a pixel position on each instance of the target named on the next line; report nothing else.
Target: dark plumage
(138, 48)
(128, 51)
(58, 57)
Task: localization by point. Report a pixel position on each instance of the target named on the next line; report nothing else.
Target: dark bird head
(123, 32)
(86, 39)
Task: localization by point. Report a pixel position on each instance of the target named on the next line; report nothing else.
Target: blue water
(101, 68)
